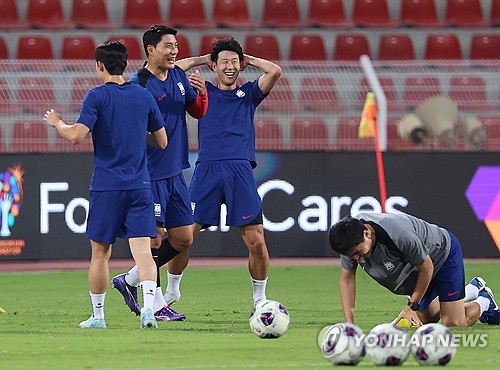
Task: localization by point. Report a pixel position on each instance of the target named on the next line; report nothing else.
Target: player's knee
(182, 243)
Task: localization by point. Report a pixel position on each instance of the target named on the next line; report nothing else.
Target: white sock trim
(483, 302)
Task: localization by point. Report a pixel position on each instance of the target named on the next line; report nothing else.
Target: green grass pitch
(40, 328)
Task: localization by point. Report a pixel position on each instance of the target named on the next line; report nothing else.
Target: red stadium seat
(268, 134)
(263, 46)
(207, 41)
(78, 47)
(34, 47)
(319, 94)
(485, 46)
(36, 94)
(29, 136)
(47, 14)
(465, 13)
(281, 98)
(469, 92)
(9, 16)
(7, 105)
(419, 13)
(419, 88)
(492, 126)
(188, 14)
(387, 84)
(395, 47)
(346, 137)
(142, 13)
(131, 42)
(495, 13)
(309, 134)
(349, 47)
(307, 47)
(328, 13)
(282, 13)
(79, 88)
(232, 14)
(184, 47)
(372, 13)
(91, 14)
(442, 47)
(4, 53)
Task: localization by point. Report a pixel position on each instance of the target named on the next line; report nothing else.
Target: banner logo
(11, 196)
(483, 195)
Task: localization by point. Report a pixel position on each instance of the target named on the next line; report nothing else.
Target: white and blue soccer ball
(433, 344)
(269, 319)
(342, 344)
(387, 345)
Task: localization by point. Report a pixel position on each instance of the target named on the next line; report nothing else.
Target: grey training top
(402, 243)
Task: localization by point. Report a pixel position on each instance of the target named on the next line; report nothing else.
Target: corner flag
(367, 126)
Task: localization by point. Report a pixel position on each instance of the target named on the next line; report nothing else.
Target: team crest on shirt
(157, 210)
(181, 88)
(389, 266)
(240, 93)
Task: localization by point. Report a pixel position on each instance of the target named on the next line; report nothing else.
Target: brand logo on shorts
(240, 94)
(193, 206)
(157, 209)
(181, 88)
(389, 266)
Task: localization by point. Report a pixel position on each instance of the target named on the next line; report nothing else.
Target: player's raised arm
(191, 62)
(272, 72)
(348, 293)
(75, 133)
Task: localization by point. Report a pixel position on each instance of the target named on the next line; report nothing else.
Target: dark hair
(346, 234)
(113, 55)
(229, 44)
(154, 34)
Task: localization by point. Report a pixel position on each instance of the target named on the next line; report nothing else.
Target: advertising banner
(44, 201)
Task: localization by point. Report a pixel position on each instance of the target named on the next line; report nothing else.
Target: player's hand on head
(52, 117)
(198, 82)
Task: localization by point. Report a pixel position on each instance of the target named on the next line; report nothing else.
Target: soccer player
(119, 115)
(226, 157)
(174, 94)
(412, 257)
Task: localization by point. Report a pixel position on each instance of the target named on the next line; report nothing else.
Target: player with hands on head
(119, 115)
(412, 257)
(226, 157)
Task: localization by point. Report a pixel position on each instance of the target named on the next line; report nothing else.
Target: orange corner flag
(368, 118)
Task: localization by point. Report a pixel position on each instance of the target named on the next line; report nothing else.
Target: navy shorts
(449, 282)
(225, 182)
(120, 213)
(172, 206)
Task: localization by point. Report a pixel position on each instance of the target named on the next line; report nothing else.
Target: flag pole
(380, 169)
(368, 128)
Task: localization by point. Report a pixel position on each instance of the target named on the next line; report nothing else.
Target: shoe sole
(123, 289)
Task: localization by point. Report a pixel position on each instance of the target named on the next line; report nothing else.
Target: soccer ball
(269, 319)
(433, 344)
(342, 344)
(387, 345)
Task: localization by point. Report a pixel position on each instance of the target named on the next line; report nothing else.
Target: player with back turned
(119, 115)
